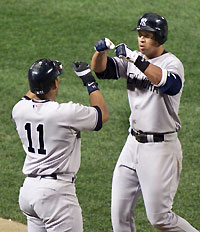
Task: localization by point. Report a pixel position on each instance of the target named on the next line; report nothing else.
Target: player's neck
(48, 96)
(40, 97)
(158, 52)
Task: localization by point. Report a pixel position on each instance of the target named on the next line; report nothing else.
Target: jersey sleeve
(14, 108)
(115, 69)
(176, 67)
(175, 77)
(82, 117)
(172, 85)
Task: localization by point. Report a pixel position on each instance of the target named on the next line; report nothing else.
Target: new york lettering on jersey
(134, 82)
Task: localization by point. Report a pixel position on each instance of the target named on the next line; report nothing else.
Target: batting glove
(103, 45)
(83, 71)
(122, 51)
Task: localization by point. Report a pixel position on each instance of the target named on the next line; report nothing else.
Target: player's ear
(56, 83)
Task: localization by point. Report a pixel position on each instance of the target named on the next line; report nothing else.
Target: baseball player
(150, 161)
(50, 135)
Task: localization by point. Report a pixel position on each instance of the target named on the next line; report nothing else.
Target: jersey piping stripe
(99, 122)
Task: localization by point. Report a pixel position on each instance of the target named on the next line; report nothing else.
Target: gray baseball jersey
(50, 134)
(153, 168)
(152, 111)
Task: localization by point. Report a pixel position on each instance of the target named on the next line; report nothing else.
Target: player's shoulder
(167, 60)
(173, 60)
(24, 100)
(70, 111)
(20, 106)
(170, 55)
(71, 106)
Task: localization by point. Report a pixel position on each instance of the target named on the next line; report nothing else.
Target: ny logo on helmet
(143, 22)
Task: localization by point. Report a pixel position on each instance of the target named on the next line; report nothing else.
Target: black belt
(52, 176)
(141, 137)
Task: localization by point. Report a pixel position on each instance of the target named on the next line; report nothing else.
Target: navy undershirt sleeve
(99, 122)
(111, 70)
(173, 84)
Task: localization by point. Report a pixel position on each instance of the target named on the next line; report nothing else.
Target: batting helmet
(42, 74)
(155, 23)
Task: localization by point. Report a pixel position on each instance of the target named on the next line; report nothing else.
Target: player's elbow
(105, 117)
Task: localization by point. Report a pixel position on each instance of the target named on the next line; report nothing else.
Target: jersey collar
(40, 101)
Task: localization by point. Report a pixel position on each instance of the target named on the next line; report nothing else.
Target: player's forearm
(99, 61)
(96, 99)
(83, 71)
(154, 74)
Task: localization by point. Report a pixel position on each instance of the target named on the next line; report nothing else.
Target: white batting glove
(122, 51)
(103, 45)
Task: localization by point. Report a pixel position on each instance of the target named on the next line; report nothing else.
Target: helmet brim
(143, 28)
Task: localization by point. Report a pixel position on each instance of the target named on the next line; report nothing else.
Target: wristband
(141, 64)
(92, 86)
(163, 79)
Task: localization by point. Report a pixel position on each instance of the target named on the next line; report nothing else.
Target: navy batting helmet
(42, 74)
(155, 23)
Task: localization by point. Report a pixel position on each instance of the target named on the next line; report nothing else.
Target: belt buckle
(135, 132)
(140, 137)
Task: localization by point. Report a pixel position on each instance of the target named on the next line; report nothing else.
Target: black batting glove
(83, 71)
(122, 51)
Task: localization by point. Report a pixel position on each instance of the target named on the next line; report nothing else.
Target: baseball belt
(142, 137)
(56, 176)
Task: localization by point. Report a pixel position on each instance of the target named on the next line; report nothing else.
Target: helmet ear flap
(161, 35)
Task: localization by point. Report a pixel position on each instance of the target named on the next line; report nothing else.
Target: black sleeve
(111, 71)
(99, 123)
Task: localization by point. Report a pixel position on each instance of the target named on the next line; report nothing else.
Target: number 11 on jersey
(40, 129)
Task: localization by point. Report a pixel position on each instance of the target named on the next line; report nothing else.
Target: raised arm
(97, 99)
(99, 59)
(83, 71)
(168, 82)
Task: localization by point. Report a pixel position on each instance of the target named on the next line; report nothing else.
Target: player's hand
(122, 51)
(103, 45)
(83, 71)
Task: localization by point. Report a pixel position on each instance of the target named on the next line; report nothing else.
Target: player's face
(147, 43)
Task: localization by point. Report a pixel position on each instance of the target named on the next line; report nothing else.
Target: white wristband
(163, 79)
